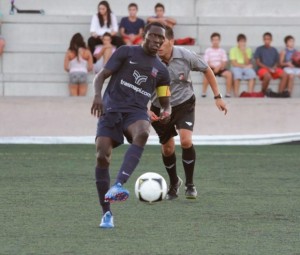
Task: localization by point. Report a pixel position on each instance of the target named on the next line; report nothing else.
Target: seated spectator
(102, 22)
(267, 60)
(103, 52)
(132, 27)
(286, 61)
(78, 62)
(2, 41)
(241, 67)
(2, 44)
(159, 16)
(217, 60)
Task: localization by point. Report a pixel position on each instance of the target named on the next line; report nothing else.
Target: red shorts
(137, 41)
(275, 75)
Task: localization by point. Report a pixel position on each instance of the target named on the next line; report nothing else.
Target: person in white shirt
(103, 22)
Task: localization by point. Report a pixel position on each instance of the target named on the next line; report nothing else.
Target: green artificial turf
(249, 203)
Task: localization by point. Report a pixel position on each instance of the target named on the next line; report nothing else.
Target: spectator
(2, 44)
(267, 60)
(217, 60)
(78, 62)
(159, 16)
(241, 67)
(2, 41)
(132, 27)
(103, 52)
(102, 22)
(286, 61)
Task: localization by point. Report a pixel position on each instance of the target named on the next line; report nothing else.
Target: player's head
(267, 37)
(132, 9)
(159, 10)
(166, 48)
(289, 41)
(241, 40)
(104, 8)
(154, 36)
(215, 39)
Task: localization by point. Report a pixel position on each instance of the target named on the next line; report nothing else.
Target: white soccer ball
(150, 187)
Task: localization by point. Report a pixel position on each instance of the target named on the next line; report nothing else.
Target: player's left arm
(200, 65)
(211, 78)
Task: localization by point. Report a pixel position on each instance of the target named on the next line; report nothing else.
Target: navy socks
(130, 161)
(188, 161)
(102, 184)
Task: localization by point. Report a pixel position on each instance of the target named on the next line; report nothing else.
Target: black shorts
(182, 117)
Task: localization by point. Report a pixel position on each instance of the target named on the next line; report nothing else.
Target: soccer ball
(150, 187)
(296, 58)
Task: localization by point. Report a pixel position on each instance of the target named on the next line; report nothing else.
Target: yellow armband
(163, 91)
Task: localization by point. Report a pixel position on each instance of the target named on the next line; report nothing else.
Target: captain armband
(163, 91)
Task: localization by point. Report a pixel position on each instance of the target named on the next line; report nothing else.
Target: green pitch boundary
(263, 139)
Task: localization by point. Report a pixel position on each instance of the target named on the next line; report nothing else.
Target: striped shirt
(215, 57)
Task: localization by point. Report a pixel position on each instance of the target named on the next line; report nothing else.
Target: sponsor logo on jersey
(135, 88)
(139, 79)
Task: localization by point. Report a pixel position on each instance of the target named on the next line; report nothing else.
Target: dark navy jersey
(135, 77)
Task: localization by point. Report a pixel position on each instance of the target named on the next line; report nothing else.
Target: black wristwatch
(218, 96)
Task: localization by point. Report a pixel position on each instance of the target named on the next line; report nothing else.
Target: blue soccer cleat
(116, 194)
(107, 220)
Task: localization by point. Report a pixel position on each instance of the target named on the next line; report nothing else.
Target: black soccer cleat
(174, 190)
(190, 191)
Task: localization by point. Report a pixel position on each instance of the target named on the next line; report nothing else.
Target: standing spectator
(103, 52)
(132, 27)
(78, 62)
(286, 61)
(159, 16)
(102, 22)
(241, 67)
(217, 60)
(267, 60)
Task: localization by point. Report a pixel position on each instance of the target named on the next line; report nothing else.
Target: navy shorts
(115, 124)
(182, 117)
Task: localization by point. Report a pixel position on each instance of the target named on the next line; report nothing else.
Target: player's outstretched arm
(211, 78)
(97, 107)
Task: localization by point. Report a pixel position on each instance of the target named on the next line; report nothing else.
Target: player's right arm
(113, 65)
(97, 107)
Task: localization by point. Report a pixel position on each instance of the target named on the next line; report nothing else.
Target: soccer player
(136, 73)
(180, 62)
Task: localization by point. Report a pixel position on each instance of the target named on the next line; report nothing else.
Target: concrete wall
(185, 8)
(32, 63)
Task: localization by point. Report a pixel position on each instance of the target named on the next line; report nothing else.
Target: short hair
(169, 33)
(133, 5)
(267, 34)
(149, 25)
(215, 35)
(159, 5)
(241, 37)
(287, 38)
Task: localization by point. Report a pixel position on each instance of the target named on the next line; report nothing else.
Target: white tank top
(78, 64)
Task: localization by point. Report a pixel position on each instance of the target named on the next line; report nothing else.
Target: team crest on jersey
(154, 72)
(139, 79)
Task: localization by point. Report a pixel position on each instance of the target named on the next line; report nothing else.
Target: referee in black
(180, 62)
